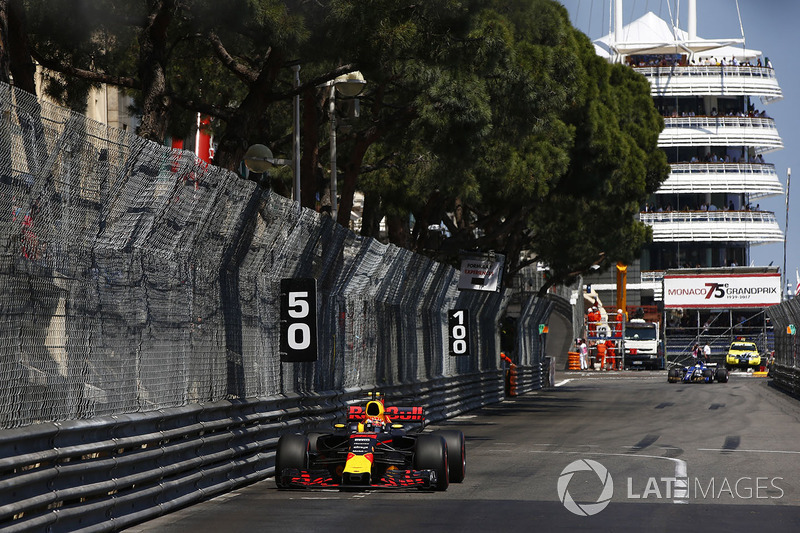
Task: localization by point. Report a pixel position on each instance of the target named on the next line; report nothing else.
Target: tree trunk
(398, 230)
(249, 121)
(153, 50)
(371, 216)
(15, 56)
(309, 179)
(351, 171)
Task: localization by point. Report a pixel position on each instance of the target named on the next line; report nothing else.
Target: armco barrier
(786, 378)
(108, 473)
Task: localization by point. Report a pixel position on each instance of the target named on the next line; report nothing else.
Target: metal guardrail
(786, 378)
(112, 472)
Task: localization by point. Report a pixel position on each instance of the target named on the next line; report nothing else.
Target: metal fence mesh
(787, 344)
(134, 277)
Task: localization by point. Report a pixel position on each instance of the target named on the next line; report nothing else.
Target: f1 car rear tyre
(673, 375)
(292, 452)
(722, 375)
(431, 454)
(456, 453)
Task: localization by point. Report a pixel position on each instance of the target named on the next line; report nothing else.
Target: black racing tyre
(673, 376)
(431, 454)
(292, 452)
(722, 375)
(312, 441)
(708, 374)
(456, 453)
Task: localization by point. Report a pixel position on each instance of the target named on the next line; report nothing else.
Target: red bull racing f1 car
(373, 450)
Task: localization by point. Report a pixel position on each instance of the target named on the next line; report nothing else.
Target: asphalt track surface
(627, 451)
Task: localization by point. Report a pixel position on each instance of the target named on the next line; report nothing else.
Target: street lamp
(349, 85)
(258, 159)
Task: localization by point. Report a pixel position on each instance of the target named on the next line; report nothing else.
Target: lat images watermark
(596, 479)
(741, 488)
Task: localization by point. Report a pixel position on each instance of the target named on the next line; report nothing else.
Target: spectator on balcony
(712, 207)
(768, 62)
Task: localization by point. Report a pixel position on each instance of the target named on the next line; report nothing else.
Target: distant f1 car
(372, 451)
(698, 373)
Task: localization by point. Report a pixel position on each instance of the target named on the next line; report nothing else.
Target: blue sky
(772, 26)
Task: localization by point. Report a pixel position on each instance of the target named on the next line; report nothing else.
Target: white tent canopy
(650, 34)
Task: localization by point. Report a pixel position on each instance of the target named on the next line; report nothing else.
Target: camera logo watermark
(585, 509)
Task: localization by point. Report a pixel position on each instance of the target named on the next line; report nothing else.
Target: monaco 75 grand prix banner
(705, 291)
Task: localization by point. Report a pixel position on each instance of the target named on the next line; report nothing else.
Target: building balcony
(701, 80)
(714, 226)
(759, 180)
(757, 132)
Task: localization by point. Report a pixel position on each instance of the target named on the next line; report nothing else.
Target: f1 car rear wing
(395, 414)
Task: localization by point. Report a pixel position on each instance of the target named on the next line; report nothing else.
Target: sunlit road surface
(611, 451)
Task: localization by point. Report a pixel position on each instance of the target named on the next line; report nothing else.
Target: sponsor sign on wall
(722, 290)
(481, 274)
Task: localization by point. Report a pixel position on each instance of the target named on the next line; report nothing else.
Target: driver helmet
(375, 415)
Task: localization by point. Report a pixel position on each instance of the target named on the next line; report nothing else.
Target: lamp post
(349, 85)
(785, 278)
(296, 136)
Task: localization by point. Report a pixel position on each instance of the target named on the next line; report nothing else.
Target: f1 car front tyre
(673, 376)
(292, 452)
(431, 454)
(456, 453)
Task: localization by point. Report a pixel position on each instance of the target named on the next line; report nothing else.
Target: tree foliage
(493, 119)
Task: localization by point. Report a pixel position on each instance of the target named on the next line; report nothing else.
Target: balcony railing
(723, 168)
(713, 226)
(709, 71)
(756, 179)
(714, 122)
(757, 132)
(742, 80)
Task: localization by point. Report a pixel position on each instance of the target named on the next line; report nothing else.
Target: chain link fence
(134, 277)
(785, 369)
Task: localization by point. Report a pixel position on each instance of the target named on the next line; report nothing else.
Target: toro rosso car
(698, 373)
(373, 450)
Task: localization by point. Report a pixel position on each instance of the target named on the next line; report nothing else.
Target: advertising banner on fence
(482, 273)
(708, 291)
